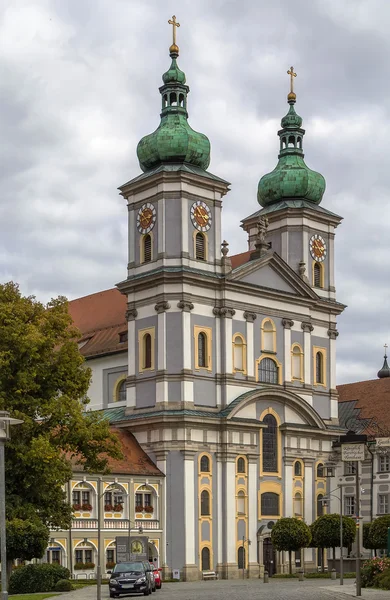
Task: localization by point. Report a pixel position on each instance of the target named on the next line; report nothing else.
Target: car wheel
(159, 586)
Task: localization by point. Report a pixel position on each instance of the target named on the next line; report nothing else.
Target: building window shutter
(317, 275)
(147, 248)
(200, 246)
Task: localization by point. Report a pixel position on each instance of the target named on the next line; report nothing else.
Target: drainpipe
(70, 549)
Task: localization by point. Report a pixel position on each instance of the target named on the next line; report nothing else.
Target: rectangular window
(110, 556)
(383, 504)
(384, 463)
(85, 497)
(88, 556)
(138, 500)
(76, 497)
(349, 504)
(349, 468)
(55, 557)
(79, 556)
(203, 347)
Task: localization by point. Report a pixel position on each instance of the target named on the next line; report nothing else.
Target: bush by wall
(372, 568)
(36, 578)
(383, 580)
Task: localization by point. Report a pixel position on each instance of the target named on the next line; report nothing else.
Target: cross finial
(292, 75)
(174, 24)
(385, 347)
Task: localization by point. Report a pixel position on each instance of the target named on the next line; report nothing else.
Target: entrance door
(269, 557)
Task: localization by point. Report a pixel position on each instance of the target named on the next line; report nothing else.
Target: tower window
(202, 349)
(241, 465)
(291, 141)
(173, 99)
(205, 503)
(317, 275)
(270, 445)
(320, 470)
(147, 351)
(270, 504)
(239, 353)
(200, 246)
(268, 371)
(205, 464)
(268, 336)
(319, 367)
(298, 469)
(297, 362)
(320, 505)
(147, 248)
(181, 100)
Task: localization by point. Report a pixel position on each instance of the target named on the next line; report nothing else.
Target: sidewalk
(344, 591)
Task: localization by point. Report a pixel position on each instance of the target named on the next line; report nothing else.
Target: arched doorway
(206, 559)
(241, 557)
(269, 557)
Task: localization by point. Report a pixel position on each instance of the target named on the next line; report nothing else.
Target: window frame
(316, 264)
(142, 248)
(322, 351)
(278, 369)
(273, 452)
(209, 339)
(117, 389)
(382, 503)
(242, 345)
(239, 459)
(141, 349)
(384, 458)
(206, 246)
(298, 463)
(300, 356)
(202, 502)
(201, 470)
(270, 513)
(272, 331)
(298, 497)
(349, 505)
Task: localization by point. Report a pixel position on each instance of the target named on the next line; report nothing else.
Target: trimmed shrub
(371, 568)
(63, 585)
(36, 578)
(383, 580)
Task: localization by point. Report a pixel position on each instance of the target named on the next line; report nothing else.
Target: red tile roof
(135, 461)
(372, 397)
(240, 259)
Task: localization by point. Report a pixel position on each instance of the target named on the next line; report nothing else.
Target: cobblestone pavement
(253, 589)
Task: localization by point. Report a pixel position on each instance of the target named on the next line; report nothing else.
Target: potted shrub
(86, 506)
(78, 566)
(139, 508)
(118, 507)
(76, 506)
(108, 507)
(89, 565)
(148, 508)
(110, 565)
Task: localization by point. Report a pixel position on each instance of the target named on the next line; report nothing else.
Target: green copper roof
(174, 141)
(291, 178)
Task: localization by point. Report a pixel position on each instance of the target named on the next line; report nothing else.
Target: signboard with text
(352, 452)
(382, 442)
(132, 548)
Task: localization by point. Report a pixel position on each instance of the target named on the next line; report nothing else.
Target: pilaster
(190, 569)
(287, 324)
(187, 387)
(307, 329)
(253, 566)
(250, 359)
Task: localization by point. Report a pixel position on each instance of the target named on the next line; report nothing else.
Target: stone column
(161, 226)
(309, 499)
(229, 567)
(287, 324)
(253, 565)
(333, 334)
(288, 488)
(131, 315)
(250, 346)
(187, 386)
(190, 569)
(161, 463)
(307, 329)
(162, 386)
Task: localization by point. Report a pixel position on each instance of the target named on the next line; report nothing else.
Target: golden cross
(292, 74)
(174, 25)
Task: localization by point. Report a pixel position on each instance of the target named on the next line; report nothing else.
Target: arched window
(270, 444)
(241, 503)
(320, 470)
(200, 246)
(147, 351)
(268, 371)
(202, 349)
(173, 99)
(320, 505)
(206, 559)
(241, 465)
(298, 505)
(297, 469)
(297, 362)
(147, 248)
(319, 367)
(241, 557)
(268, 336)
(205, 503)
(317, 275)
(121, 391)
(270, 504)
(239, 353)
(205, 464)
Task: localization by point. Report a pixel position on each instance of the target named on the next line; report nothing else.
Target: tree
(44, 381)
(290, 534)
(325, 532)
(368, 542)
(25, 540)
(378, 531)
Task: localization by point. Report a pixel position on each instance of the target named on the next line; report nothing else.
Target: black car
(131, 578)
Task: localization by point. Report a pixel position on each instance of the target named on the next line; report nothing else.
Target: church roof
(134, 462)
(371, 397)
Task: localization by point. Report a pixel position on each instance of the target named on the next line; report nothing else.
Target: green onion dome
(174, 141)
(291, 177)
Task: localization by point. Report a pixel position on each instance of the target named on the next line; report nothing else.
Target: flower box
(82, 566)
(118, 507)
(148, 509)
(76, 506)
(109, 507)
(110, 565)
(86, 506)
(139, 509)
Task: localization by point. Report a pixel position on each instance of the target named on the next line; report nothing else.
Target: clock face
(317, 248)
(201, 216)
(146, 218)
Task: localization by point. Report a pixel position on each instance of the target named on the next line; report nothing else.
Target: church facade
(223, 368)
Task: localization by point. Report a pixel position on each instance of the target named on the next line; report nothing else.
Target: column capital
(250, 317)
(333, 334)
(131, 312)
(224, 312)
(161, 454)
(287, 323)
(185, 305)
(253, 459)
(307, 327)
(162, 306)
(188, 454)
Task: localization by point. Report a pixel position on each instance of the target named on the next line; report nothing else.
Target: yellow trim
(142, 247)
(205, 473)
(323, 494)
(243, 347)
(141, 348)
(246, 466)
(278, 364)
(278, 473)
(205, 518)
(322, 479)
(246, 548)
(323, 352)
(273, 331)
(274, 488)
(209, 338)
(298, 491)
(206, 245)
(210, 547)
(322, 274)
(302, 475)
(117, 384)
(300, 378)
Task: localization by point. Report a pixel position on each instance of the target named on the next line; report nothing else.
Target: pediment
(272, 272)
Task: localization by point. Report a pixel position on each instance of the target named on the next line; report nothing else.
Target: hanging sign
(382, 442)
(352, 452)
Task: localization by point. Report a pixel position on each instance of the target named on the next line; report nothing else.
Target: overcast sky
(79, 87)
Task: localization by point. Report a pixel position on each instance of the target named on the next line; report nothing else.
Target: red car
(157, 576)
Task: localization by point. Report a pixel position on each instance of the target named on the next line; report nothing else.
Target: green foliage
(26, 539)
(36, 578)
(63, 585)
(368, 542)
(383, 580)
(325, 531)
(372, 568)
(378, 531)
(42, 374)
(290, 534)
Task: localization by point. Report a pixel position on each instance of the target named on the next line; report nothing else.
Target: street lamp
(244, 541)
(5, 422)
(324, 500)
(100, 494)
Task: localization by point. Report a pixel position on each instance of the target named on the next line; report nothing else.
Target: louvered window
(147, 241)
(317, 275)
(270, 446)
(147, 351)
(202, 350)
(200, 243)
